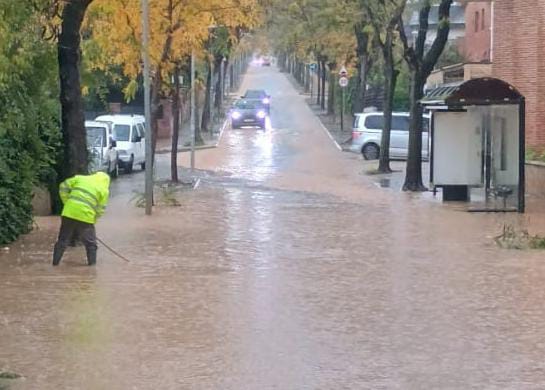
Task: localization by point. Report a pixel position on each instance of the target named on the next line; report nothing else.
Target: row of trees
(369, 37)
(55, 54)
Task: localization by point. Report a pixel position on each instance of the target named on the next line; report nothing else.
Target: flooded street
(287, 268)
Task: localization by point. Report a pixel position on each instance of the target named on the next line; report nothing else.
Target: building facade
(477, 46)
(457, 24)
(518, 57)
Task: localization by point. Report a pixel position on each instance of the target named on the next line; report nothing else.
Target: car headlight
(236, 115)
(261, 114)
(266, 101)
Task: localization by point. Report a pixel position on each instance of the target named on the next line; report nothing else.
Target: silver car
(367, 135)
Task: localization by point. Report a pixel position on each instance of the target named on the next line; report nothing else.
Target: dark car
(261, 96)
(248, 112)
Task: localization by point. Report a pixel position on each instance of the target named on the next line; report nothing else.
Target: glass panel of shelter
(499, 133)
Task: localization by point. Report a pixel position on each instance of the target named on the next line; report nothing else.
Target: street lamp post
(147, 108)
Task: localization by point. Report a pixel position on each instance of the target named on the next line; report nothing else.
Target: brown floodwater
(287, 268)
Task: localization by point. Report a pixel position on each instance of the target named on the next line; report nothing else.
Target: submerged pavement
(287, 268)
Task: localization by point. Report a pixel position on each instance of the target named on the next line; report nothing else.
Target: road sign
(343, 82)
(343, 72)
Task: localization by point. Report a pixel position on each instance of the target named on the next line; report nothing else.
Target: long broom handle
(113, 251)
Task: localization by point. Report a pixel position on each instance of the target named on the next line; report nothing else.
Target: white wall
(458, 146)
(457, 149)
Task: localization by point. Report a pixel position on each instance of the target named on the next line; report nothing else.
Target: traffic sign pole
(343, 82)
(342, 110)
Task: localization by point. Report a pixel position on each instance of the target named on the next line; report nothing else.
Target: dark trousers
(85, 232)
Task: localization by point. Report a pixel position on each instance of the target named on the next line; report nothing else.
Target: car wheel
(129, 164)
(235, 125)
(371, 152)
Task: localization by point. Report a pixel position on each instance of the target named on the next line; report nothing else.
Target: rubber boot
(58, 251)
(91, 256)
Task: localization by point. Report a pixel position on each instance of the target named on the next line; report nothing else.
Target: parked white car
(367, 135)
(130, 135)
(102, 148)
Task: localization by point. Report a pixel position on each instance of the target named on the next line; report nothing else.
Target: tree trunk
(421, 64)
(226, 67)
(413, 177)
(218, 63)
(318, 76)
(361, 88)
(331, 89)
(175, 126)
(362, 38)
(390, 79)
(323, 77)
(232, 68)
(73, 118)
(307, 78)
(198, 136)
(205, 124)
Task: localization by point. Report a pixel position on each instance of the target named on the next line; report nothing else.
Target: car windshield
(96, 136)
(255, 94)
(122, 132)
(245, 105)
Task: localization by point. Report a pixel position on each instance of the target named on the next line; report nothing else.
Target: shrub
(29, 131)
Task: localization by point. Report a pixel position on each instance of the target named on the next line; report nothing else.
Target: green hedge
(29, 130)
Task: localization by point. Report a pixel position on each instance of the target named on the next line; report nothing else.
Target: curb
(301, 92)
(329, 134)
(197, 148)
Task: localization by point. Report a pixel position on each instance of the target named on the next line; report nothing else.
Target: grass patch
(165, 196)
(535, 155)
(511, 238)
(168, 196)
(9, 375)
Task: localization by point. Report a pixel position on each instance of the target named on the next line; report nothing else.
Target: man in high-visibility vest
(84, 198)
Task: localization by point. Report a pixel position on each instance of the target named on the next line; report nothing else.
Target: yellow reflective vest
(85, 196)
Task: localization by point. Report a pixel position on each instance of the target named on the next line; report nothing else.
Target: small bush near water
(513, 239)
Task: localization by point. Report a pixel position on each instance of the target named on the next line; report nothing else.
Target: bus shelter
(477, 149)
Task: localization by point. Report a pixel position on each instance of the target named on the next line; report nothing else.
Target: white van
(367, 135)
(130, 136)
(102, 148)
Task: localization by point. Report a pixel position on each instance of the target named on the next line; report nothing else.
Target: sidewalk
(331, 122)
(210, 139)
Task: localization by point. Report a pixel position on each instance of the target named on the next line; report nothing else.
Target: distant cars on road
(259, 95)
(265, 60)
(248, 112)
(367, 135)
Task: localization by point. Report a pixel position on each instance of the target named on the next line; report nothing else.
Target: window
(503, 145)
(141, 130)
(425, 125)
(134, 134)
(483, 22)
(356, 124)
(400, 123)
(122, 132)
(375, 122)
(96, 136)
(476, 21)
